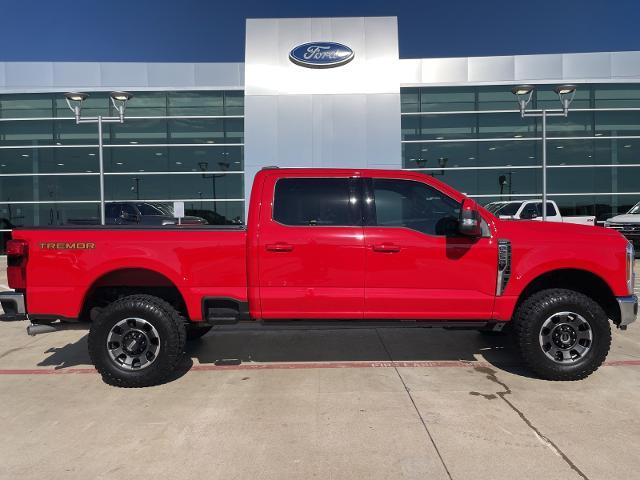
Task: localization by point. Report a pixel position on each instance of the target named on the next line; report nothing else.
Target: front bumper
(628, 310)
(13, 306)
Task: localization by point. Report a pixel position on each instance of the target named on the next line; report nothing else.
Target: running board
(364, 324)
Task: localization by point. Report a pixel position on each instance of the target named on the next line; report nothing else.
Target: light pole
(119, 101)
(224, 166)
(523, 94)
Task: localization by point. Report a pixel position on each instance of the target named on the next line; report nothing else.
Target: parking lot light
(119, 100)
(523, 94)
(566, 94)
(75, 101)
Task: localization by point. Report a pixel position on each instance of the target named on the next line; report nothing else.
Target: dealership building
(198, 132)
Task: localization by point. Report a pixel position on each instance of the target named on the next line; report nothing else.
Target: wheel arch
(118, 282)
(583, 281)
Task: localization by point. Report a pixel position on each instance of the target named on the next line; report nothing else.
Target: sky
(213, 31)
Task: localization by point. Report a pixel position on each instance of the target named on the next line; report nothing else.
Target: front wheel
(562, 334)
(137, 341)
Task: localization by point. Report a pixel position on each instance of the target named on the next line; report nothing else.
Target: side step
(222, 316)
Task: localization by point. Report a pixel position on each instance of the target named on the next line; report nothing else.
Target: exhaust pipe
(38, 328)
(35, 329)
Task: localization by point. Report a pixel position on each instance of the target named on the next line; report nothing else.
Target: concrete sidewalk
(343, 404)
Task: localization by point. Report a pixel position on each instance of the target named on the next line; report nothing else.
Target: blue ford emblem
(321, 55)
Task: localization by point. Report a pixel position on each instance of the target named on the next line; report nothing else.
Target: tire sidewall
(151, 312)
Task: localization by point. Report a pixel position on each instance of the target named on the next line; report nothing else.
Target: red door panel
(428, 277)
(311, 265)
(417, 264)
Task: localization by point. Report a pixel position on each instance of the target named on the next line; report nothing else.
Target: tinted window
(405, 203)
(314, 201)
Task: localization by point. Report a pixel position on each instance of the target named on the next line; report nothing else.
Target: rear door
(418, 266)
(311, 249)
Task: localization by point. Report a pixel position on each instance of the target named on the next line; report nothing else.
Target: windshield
(492, 207)
(149, 209)
(635, 208)
(508, 209)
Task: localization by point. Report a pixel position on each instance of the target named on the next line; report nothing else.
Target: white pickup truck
(532, 210)
(628, 225)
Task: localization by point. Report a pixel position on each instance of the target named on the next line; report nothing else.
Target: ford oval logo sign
(321, 55)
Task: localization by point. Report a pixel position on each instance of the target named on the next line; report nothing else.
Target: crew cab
(328, 247)
(532, 210)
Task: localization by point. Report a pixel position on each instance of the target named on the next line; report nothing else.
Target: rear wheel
(137, 341)
(562, 334)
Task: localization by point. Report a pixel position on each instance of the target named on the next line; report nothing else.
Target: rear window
(315, 202)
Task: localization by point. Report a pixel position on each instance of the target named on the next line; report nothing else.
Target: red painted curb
(303, 366)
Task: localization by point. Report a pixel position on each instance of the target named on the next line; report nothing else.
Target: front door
(311, 250)
(418, 266)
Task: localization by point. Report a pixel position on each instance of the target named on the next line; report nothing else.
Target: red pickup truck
(373, 247)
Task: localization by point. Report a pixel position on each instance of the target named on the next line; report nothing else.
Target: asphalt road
(344, 404)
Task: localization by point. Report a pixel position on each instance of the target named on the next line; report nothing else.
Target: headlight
(630, 268)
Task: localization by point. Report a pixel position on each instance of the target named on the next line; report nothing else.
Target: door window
(414, 205)
(327, 202)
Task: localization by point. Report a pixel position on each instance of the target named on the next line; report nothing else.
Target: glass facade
(474, 139)
(189, 146)
(178, 145)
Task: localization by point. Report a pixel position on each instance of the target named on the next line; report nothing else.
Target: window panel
(35, 132)
(575, 124)
(490, 182)
(196, 103)
(48, 214)
(447, 99)
(49, 160)
(142, 186)
(318, 202)
(616, 96)
(173, 159)
(414, 205)
(26, 106)
(506, 125)
(410, 99)
(617, 123)
(49, 188)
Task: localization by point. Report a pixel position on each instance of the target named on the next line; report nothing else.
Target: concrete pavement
(342, 404)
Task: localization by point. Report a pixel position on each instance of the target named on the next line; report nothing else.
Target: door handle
(386, 248)
(279, 247)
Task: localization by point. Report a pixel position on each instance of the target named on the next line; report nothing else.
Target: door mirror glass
(469, 221)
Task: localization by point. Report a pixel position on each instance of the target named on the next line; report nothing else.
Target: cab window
(328, 202)
(414, 205)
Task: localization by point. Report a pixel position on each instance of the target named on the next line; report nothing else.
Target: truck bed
(66, 263)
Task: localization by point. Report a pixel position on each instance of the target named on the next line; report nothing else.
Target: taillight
(17, 253)
(17, 248)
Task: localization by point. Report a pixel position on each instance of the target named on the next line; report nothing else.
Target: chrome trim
(13, 306)
(628, 310)
(504, 265)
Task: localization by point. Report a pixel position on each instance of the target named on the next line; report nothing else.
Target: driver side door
(417, 265)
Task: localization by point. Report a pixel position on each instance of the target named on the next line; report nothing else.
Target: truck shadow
(233, 346)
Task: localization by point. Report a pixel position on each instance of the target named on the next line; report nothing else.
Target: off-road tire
(538, 308)
(169, 325)
(195, 332)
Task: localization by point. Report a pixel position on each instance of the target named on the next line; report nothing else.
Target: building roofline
(596, 67)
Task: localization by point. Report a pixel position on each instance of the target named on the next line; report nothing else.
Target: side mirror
(469, 222)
